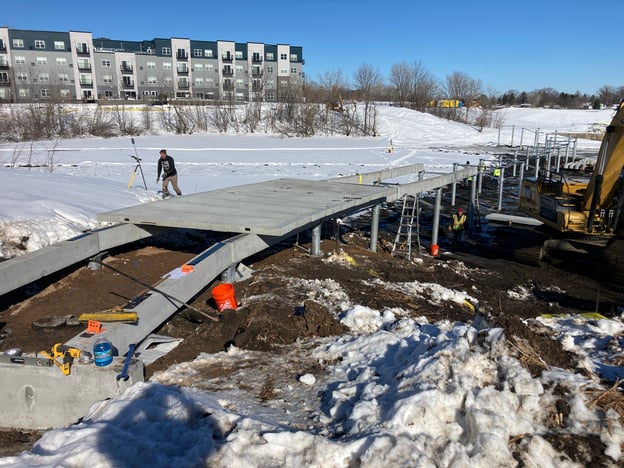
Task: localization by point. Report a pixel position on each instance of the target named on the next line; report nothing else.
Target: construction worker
(459, 221)
(496, 173)
(166, 165)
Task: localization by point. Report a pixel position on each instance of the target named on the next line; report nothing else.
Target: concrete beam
(157, 306)
(25, 269)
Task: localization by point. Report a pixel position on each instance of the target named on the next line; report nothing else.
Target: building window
(151, 65)
(44, 77)
(166, 50)
(45, 93)
(4, 77)
(210, 83)
(61, 61)
(199, 67)
(42, 61)
(22, 76)
(270, 56)
(23, 92)
(270, 96)
(167, 66)
(209, 67)
(239, 69)
(106, 63)
(86, 80)
(39, 44)
(199, 82)
(20, 60)
(283, 56)
(283, 71)
(240, 97)
(107, 79)
(197, 52)
(168, 80)
(238, 54)
(82, 48)
(65, 93)
(207, 52)
(239, 83)
(151, 80)
(83, 64)
(293, 70)
(108, 94)
(59, 45)
(293, 57)
(269, 70)
(270, 84)
(63, 77)
(18, 43)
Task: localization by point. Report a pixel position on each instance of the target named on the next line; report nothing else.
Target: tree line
(413, 86)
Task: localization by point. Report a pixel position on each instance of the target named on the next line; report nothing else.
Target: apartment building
(73, 66)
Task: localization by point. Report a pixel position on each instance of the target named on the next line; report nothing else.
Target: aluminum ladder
(402, 246)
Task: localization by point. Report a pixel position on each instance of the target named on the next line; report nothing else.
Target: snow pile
(393, 392)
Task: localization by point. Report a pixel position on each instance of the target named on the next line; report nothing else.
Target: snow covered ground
(397, 391)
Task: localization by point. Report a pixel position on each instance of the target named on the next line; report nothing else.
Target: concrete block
(43, 398)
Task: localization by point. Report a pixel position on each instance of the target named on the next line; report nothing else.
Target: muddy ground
(270, 311)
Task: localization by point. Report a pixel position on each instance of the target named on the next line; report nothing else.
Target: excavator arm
(603, 185)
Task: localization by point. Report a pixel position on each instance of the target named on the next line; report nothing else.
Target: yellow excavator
(583, 207)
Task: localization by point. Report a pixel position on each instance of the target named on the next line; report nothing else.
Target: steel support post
(436, 217)
(315, 249)
(374, 229)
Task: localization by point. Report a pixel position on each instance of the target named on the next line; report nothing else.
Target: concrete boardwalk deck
(273, 208)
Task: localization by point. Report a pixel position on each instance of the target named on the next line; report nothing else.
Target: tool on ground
(124, 372)
(26, 360)
(169, 297)
(138, 166)
(67, 353)
(116, 314)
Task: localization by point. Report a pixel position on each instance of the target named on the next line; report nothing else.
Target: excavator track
(528, 255)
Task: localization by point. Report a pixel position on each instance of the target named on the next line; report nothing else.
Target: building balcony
(228, 72)
(256, 59)
(4, 65)
(227, 58)
(84, 66)
(183, 70)
(127, 84)
(126, 68)
(182, 55)
(82, 50)
(256, 73)
(228, 87)
(5, 81)
(183, 85)
(86, 83)
(2, 46)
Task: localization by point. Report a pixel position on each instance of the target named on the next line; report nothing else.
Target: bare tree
(402, 81)
(333, 85)
(425, 86)
(461, 87)
(369, 82)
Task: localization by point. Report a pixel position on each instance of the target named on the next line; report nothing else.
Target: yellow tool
(68, 354)
(110, 315)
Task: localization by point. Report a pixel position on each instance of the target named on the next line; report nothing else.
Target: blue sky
(568, 45)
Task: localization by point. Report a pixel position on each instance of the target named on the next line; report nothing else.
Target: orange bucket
(223, 296)
(435, 250)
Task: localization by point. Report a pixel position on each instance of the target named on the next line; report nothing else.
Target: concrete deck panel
(273, 208)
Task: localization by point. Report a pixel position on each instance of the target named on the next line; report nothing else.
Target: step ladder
(402, 246)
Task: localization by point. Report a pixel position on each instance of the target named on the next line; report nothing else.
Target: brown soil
(271, 304)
